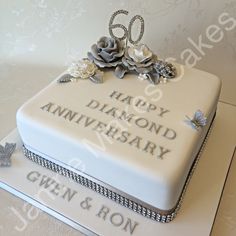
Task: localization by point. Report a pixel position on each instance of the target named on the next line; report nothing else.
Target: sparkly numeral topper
(127, 32)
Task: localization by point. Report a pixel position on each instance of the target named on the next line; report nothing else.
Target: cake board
(93, 214)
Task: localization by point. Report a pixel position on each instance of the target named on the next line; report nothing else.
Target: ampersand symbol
(86, 203)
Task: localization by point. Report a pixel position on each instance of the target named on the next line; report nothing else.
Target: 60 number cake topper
(127, 32)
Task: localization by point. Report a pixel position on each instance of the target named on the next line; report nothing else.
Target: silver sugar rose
(82, 69)
(107, 52)
(139, 58)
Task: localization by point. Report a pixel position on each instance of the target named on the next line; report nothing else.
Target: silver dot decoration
(154, 214)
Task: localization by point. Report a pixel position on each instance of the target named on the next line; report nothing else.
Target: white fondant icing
(153, 175)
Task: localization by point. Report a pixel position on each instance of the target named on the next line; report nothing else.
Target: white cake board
(196, 215)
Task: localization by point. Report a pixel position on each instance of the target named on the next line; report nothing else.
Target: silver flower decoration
(165, 69)
(107, 52)
(82, 69)
(137, 58)
(5, 154)
(110, 52)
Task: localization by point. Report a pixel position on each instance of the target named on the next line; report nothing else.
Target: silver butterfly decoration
(198, 120)
(5, 154)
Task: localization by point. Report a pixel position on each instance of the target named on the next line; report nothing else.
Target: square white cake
(127, 139)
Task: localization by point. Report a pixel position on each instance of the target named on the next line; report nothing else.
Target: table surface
(18, 85)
